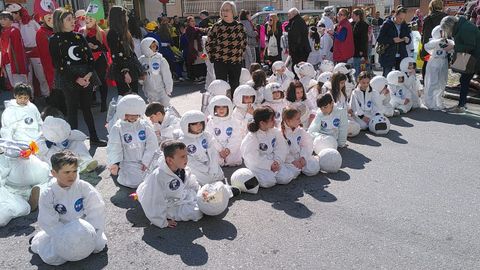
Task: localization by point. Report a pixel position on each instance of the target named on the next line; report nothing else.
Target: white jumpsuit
(131, 145)
(342, 103)
(398, 95)
(240, 113)
(260, 149)
(305, 111)
(382, 103)
(362, 104)
(284, 79)
(300, 144)
(164, 195)
(411, 82)
(158, 82)
(57, 207)
(21, 123)
(335, 124)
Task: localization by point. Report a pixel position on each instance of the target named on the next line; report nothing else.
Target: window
(410, 3)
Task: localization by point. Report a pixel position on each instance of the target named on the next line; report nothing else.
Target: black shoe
(236, 191)
(98, 142)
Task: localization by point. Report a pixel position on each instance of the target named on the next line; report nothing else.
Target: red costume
(13, 52)
(44, 53)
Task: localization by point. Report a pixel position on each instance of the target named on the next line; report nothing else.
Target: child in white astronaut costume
(362, 101)
(300, 144)
(315, 56)
(329, 121)
(326, 66)
(226, 131)
(264, 150)
(409, 67)
(436, 74)
(381, 96)
(281, 75)
(68, 199)
(314, 92)
(306, 74)
(296, 98)
(275, 98)
(158, 82)
(326, 41)
(169, 193)
(401, 97)
(350, 73)
(58, 136)
(21, 119)
(244, 100)
(131, 143)
(202, 155)
(216, 88)
(163, 120)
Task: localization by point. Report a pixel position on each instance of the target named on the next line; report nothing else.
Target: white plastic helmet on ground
(305, 69)
(379, 124)
(218, 87)
(324, 142)
(406, 62)
(55, 130)
(378, 83)
(131, 104)
(245, 76)
(245, 180)
(330, 160)
(353, 129)
(192, 116)
(269, 89)
(396, 78)
(212, 199)
(75, 240)
(28, 172)
(220, 101)
(326, 66)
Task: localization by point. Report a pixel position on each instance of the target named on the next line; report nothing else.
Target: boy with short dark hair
(163, 120)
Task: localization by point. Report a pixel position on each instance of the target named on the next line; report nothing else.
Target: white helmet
(56, 130)
(220, 101)
(405, 63)
(324, 77)
(269, 89)
(324, 142)
(218, 87)
(396, 78)
(379, 124)
(212, 199)
(75, 240)
(437, 32)
(245, 76)
(344, 69)
(240, 92)
(326, 66)
(189, 117)
(245, 180)
(378, 83)
(277, 65)
(330, 160)
(305, 69)
(131, 104)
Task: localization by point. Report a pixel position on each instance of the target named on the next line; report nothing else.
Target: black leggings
(229, 73)
(101, 69)
(78, 97)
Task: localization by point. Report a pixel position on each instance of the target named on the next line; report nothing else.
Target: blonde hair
(435, 5)
(98, 34)
(273, 26)
(232, 5)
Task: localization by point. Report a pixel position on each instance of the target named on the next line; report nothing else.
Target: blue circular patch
(61, 209)
(439, 52)
(174, 184)
(141, 135)
(191, 148)
(217, 131)
(65, 143)
(323, 124)
(127, 137)
(262, 147)
(369, 104)
(299, 138)
(274, 140)
(336, 122)
(78, 205)
(229, 131)
(277, 115)
(155, 65)
(205, 143)
(28, 120)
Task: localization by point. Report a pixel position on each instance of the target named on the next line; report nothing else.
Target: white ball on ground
(75, 241)
(324, 142)
(212, 199)
(245, 180)
(330, 160)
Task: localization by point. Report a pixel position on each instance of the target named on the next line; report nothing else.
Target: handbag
(272, 48)
(463, 63)
(380, 48)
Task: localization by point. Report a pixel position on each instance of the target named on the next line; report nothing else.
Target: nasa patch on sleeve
(323, 124)
(28, 120)
(141, 135)
(336, 122)
(204, 143)
(78, 205)
(174, 184)
(229, 131)
(369, 104)
(61, 209)
(274, 140)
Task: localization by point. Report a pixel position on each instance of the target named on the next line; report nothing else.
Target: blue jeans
(356, 65)
(464, 86)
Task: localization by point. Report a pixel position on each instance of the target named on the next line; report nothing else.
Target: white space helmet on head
(324, 77)
(379, 124)
(305, 69)
(220, 101)
(378, 83)
(277, 65)
(218, 87)
(437, 32)
(396, 78)
(344, 69)
(240, 92)
(269, 89)
(324, 142)
(131, 104)
(56, 130)
(75, 240)
(406, 62)
(330, 160)
(213, 198)
(245, 180)
(326, 66)
(190, 117)
(245, 76)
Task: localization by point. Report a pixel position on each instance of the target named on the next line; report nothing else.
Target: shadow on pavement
(121, 198)
(468, 119)
(400, 121)
(353, 159)
(363, 139)
(20, 226)
(395, 136)
(92, 262)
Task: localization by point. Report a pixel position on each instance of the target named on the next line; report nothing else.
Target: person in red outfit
(42, 36)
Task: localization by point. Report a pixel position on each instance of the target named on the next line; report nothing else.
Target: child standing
(401, 98)
(362, 101)
(274, 97)
(381, 96)
(264, 150)
(164, 122)
(68, 199)
(158, 82)
(132, 142)
(315, 56)
(297, 99)
(244, 99)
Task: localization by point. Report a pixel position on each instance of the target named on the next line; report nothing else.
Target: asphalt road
(408, 200)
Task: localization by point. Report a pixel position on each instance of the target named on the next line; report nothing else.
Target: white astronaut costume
(164, 195)
(59, 206)
(276, 104)
(210, 69)
(58, 136)
(335, 125)
(326, 66)
(216, 87)
(436, 74)
(202, 154)
(411, 82)
(259, 99)
(21, 123)
(169, 124)
(131, 145)
(306, 73)
(300, 144)
(283, 79)
(362, 104)
(158, 82)
(382, 101)
(313, 94)
(349, 72)
(326, 40)
(399, 93)
(315, 56)
(245, 76)
(260, 149)
(240, 112)
(226, 131)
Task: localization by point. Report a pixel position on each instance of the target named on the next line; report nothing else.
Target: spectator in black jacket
(298, 43)
(360, 39)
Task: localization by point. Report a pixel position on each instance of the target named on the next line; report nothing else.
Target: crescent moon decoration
(72, 55)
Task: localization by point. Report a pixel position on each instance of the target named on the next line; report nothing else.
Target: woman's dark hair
(288, 114)
(259, 78)
(190, 124)
(262, 114)
(291, 96)
(164, 32)
(117, 21)
(254, 66)
(243, 14)
(324, 100)
(58, 16)
(360, 13)
(337, 77)
(315, 36)
(134, 26)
